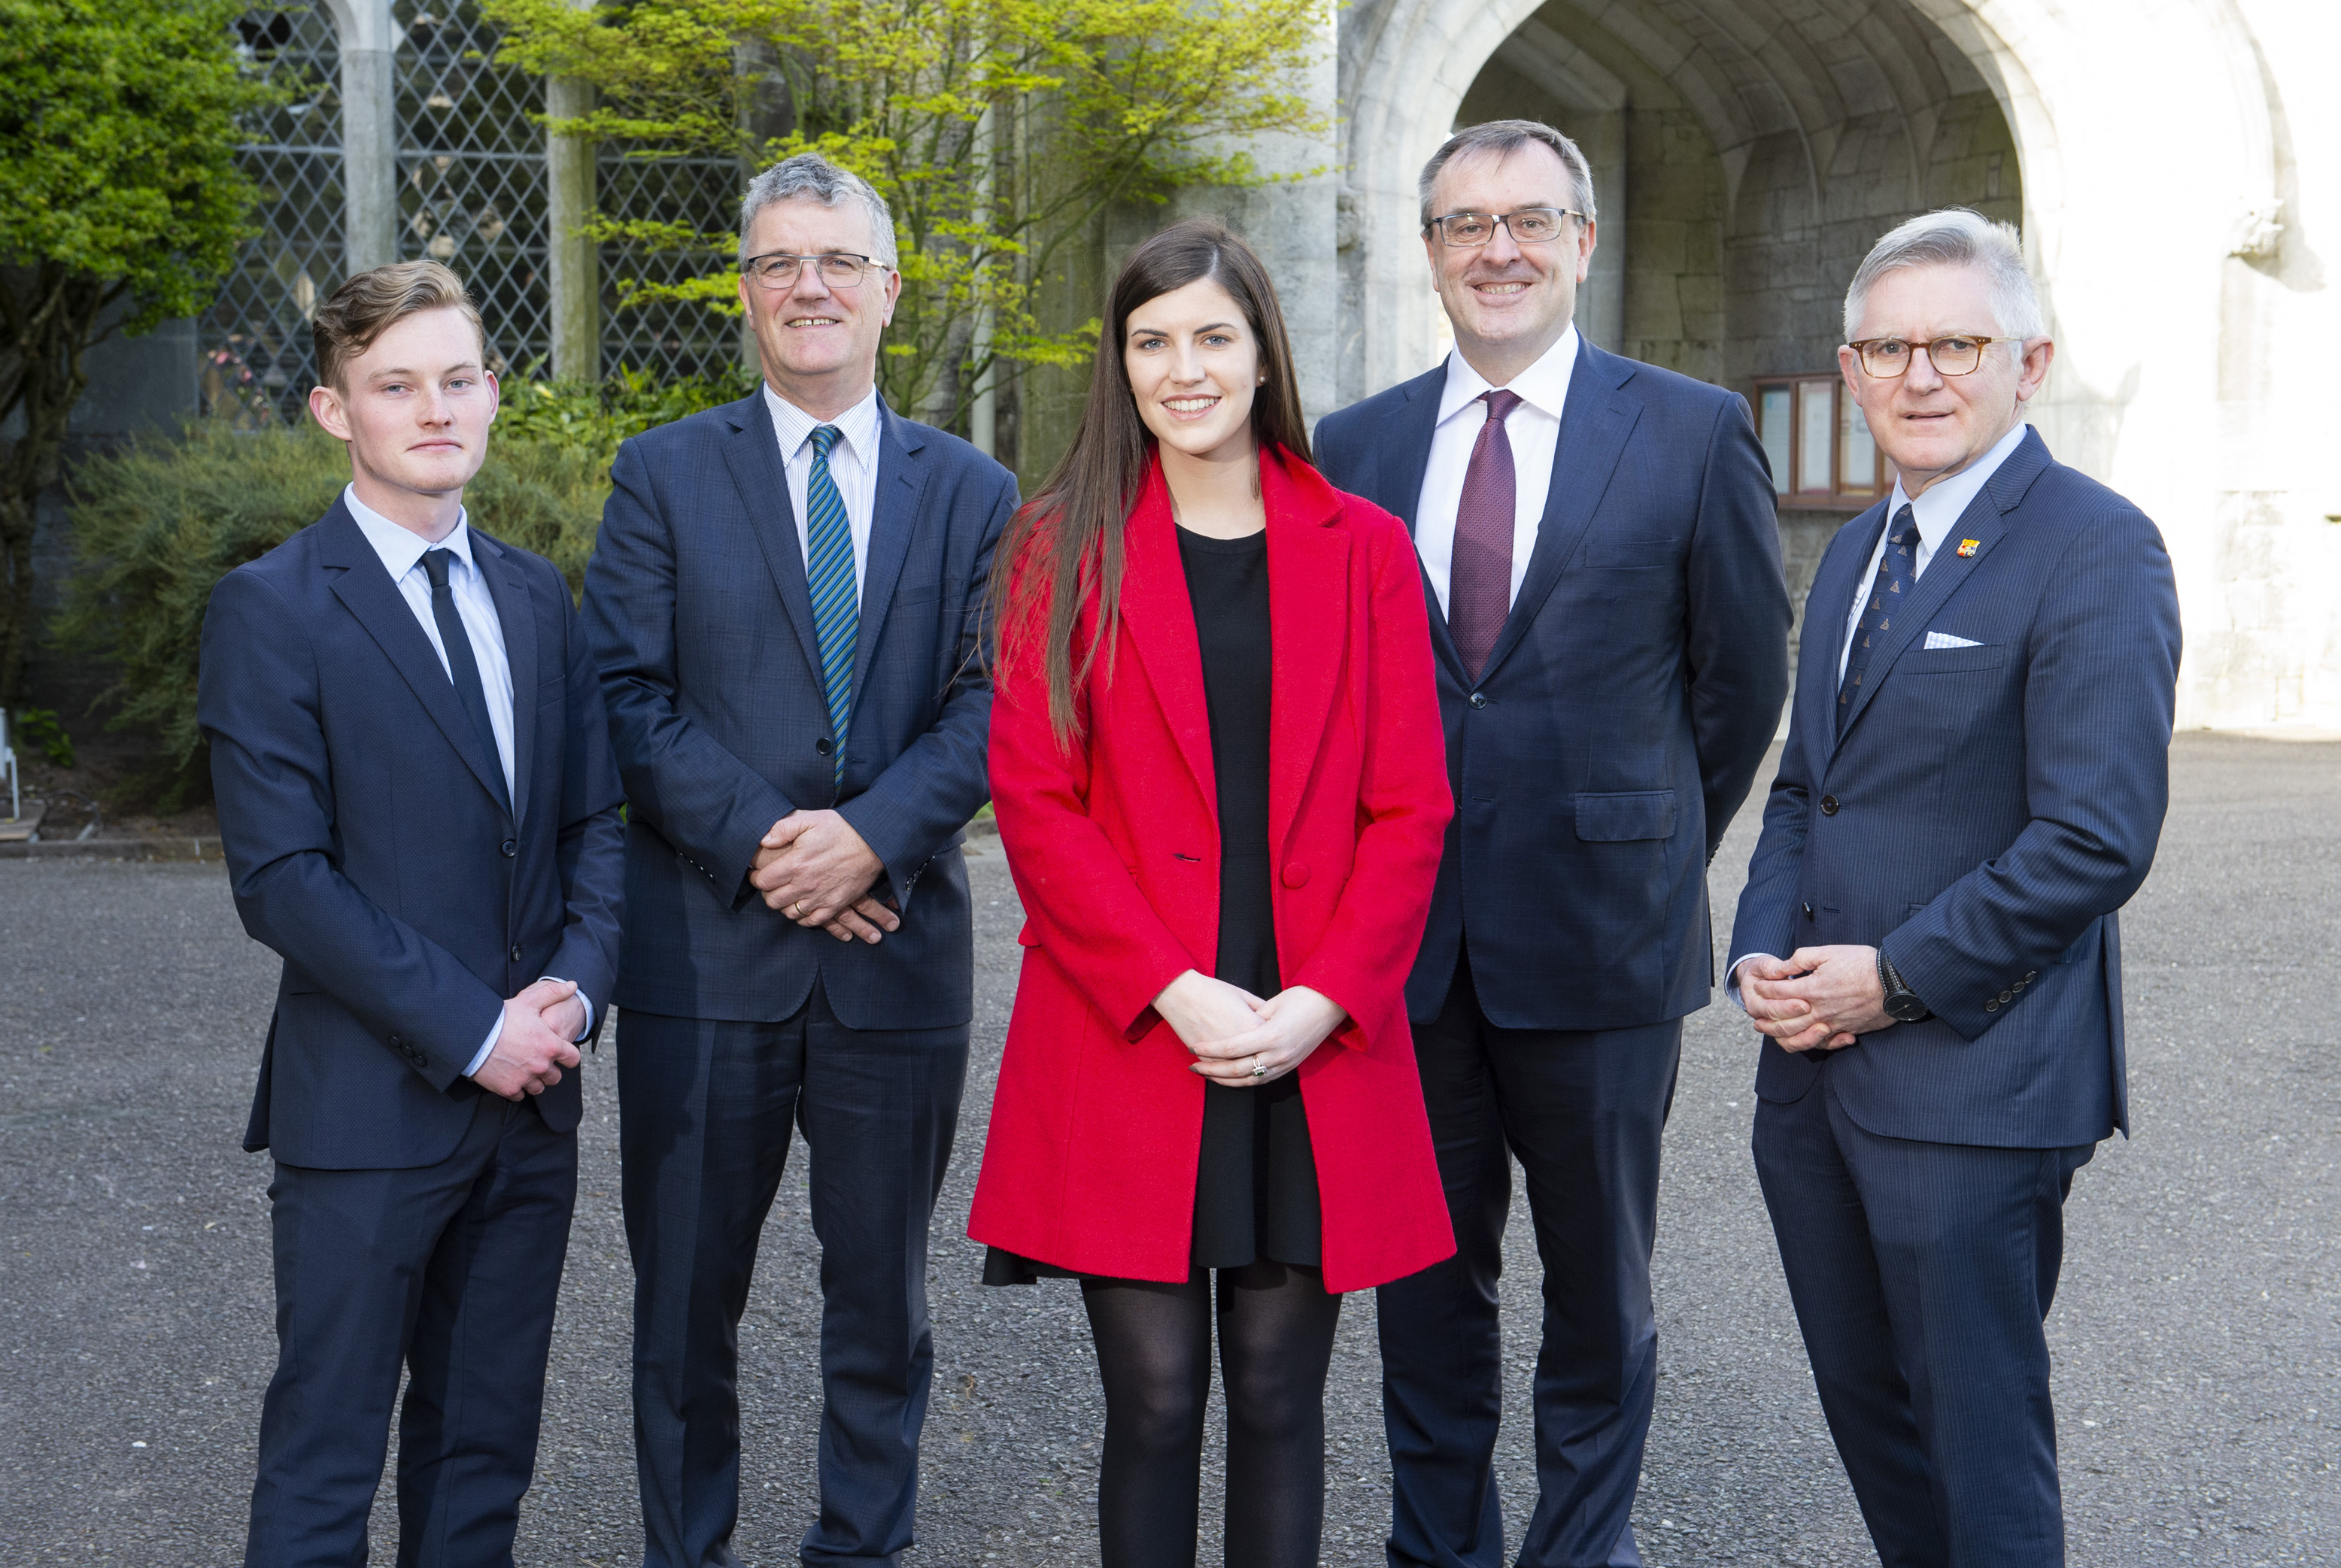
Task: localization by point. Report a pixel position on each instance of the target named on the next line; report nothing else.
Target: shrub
(158, 522)
(589, 420)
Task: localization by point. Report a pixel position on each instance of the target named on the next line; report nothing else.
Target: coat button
(511, 848)
(516, 955)
(1991, 1006)
(2005, 997)
(1829, 805)
(1479, 700)
(1296, 875)
(824, 745)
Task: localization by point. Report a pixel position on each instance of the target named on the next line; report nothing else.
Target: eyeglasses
(1956, 355)
(1528, 226)
(838, 269)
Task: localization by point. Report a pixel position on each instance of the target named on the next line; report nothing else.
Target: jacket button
(1479, 700)
(824, 745)
(397, 1043)
(2007, 996)
(1829, 805)
(511, 848)
(1296, 875)
(1991, 1006)
(2031, 974)
(516, 955)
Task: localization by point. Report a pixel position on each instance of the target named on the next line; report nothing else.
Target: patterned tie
(463, 665)
(829, 566)
(1896, 570)
(1479, 572)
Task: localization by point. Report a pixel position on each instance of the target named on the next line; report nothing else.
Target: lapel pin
(1969, 547)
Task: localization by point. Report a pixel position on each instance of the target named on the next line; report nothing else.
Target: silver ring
(1258, 1067)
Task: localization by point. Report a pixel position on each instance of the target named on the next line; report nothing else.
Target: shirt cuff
(487, 1047)
(1731, 978)
(584, 1001)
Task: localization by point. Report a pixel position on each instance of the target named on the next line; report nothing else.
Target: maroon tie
(1480, 574)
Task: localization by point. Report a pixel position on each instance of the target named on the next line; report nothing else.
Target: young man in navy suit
(1602, 564)
(1974, 782)
(419, 813)
(787, 598)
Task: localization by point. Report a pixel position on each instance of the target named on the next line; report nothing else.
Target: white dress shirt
(401, 551)
(1533, 428)
(1936, 512)
(853, 467)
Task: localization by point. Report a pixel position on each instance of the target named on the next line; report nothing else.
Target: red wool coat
(1115, 847)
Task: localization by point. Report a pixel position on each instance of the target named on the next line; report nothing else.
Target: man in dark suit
(420, 812)
(1603, 569)
(787, 602)
(1974, 782)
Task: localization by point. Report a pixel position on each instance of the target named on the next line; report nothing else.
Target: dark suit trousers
(706, 1109)
(451, 1269)
(1582, 1111)
(1922, 1274)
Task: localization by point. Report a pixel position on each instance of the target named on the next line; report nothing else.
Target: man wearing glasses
(785, 601)
(1974, 782)
(1610, 624)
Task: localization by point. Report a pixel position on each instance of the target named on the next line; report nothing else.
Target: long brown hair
(1067, 541)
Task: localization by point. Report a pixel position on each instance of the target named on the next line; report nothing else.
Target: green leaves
(1084, 104)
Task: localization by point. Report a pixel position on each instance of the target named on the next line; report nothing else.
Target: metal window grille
(471, 174)
(667, 337)
(258, 363)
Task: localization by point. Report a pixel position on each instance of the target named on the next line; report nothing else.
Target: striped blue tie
(828, 565)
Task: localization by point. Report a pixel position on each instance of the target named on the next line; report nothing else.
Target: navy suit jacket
(1624, 709)
(368, 842)
(697, 604)
(1984, 813)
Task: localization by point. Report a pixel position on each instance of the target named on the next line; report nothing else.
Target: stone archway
(2141, 144)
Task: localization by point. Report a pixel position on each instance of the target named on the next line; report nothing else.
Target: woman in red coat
(1217, 764)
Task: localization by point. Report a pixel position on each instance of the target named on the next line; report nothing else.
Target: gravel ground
(2196, 1333)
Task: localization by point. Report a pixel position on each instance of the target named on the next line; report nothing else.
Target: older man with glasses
(786, 602)
(1610, 624)
(1974, 783)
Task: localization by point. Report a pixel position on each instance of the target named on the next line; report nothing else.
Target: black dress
(1255, 1178)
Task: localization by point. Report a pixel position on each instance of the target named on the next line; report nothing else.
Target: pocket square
(1945, 640)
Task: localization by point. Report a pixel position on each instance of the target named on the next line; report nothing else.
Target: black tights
(1154, 1351)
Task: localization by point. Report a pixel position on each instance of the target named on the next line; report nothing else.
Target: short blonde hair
(369, 304)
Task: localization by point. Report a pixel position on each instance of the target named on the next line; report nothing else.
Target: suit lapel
(1953, 562)
(894, 521)
(365, 589)
(752, 453)
(1594, 426)
(1404, 457)
(1826, 608)
(1308, 612)
(1160, 621)
(508, 586)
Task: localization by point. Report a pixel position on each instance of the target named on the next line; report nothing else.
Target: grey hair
(811, 175)
(1955, 237)
(1502, 138)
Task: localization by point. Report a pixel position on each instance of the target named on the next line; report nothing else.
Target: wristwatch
(1902, 1003)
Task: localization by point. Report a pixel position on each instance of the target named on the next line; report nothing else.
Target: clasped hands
(540, 1027)
(1816, 996)
(813, 867)
(1230, 1032)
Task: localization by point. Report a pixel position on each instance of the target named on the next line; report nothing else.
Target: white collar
(1939, 505)
(1543, 386)
(858, 425)
(400, 547)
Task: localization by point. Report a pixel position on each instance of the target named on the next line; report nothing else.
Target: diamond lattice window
(471, 174)
(666, 337)
(258, 364)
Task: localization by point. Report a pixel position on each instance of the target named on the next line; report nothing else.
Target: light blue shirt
(853, 467)
(401, 551)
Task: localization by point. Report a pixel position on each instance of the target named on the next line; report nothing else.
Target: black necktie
(462, 667)
(1898, 569)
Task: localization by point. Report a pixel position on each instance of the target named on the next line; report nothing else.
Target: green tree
(997, 130)
(121, 206)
